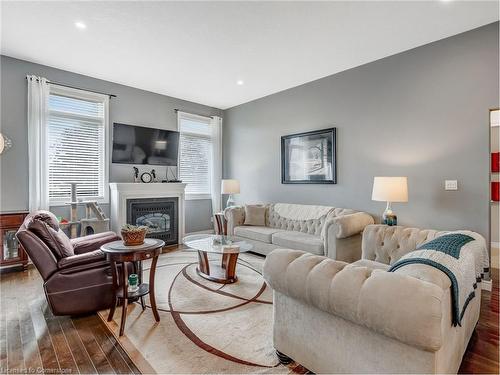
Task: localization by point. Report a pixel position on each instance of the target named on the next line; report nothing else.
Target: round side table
(117, 252)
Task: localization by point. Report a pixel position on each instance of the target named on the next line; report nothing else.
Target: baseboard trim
(486, 285)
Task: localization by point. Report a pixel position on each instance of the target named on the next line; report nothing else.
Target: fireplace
(161, 215)
(167, 200)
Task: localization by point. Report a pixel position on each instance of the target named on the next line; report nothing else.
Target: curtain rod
(78, 88)
(192, 113)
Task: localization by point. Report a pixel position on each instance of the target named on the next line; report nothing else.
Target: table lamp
(230, 187)
(390, 189)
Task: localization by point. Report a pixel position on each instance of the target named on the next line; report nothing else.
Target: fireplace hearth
(160, 215)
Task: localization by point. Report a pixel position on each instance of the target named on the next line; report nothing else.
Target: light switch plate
(450, 185)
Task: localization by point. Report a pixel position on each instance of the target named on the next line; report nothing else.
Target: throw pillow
(255, 215)
(46, 227)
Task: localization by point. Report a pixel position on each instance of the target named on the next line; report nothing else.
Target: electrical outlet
(450, 185)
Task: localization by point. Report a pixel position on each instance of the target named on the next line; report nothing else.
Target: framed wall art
(309, 158)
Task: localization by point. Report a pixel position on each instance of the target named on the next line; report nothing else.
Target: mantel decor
(309, 158)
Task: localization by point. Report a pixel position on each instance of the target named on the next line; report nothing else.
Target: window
(195, 155)
(77, 138)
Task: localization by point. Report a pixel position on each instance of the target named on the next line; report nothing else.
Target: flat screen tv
(141, 145)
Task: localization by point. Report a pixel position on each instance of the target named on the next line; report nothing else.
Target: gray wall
(131, 106)
(422, 114)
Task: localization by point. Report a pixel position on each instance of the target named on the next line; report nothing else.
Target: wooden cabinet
(12, 253)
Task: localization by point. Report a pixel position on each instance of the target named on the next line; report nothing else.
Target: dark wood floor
(482, 356)
(33, 340)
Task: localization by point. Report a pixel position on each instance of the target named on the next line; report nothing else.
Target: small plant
(134, 228)
(134, 234)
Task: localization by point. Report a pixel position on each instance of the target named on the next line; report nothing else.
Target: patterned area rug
(205, 327)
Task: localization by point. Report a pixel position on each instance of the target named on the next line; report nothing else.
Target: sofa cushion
(45, 226)
(299, 241)
(297, 217)
(255, 215)
(257, 233)
(301, 217)
(388, 244)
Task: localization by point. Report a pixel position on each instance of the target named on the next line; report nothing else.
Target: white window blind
(195, 155)
(77, 145)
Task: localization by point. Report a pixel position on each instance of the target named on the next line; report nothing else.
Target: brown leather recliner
(77, 276)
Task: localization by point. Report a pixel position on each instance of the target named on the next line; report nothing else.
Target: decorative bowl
(134, 237)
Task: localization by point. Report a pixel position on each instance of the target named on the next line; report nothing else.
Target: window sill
(194, 197)
(68, 203)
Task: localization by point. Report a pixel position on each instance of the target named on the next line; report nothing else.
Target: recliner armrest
(90, 259)
(93, 242)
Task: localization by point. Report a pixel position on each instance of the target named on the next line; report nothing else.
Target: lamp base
(389, 217)
(230, 201)
(390, 220)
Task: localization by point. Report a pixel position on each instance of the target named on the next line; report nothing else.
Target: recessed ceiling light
(80, 25)
(240, 82)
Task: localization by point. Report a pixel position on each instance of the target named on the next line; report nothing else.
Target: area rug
(204, 326)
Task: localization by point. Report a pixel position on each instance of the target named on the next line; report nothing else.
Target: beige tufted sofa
(322, 230)
(335, 317)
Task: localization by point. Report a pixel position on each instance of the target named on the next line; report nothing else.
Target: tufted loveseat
(334, 317)
(322, 230)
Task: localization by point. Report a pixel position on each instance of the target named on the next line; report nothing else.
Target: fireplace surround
(150, 204)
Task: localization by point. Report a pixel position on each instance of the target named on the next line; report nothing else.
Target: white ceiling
(197, 51)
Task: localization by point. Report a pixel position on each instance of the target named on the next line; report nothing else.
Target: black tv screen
(140, 145)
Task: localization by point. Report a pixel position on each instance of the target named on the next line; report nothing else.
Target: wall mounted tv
(141, 145)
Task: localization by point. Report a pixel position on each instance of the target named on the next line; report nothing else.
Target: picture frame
(309, 157)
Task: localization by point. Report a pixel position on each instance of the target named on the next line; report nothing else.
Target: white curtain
(216, 127)
(38, 101)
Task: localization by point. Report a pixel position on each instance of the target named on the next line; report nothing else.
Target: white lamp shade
(230, 187)
(390, 189)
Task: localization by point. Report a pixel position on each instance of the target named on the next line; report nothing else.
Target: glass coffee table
(225, 273)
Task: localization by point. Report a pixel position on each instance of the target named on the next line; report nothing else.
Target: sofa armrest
(235, 216)
(83, 261)
(395, 305)
(341, 236)
(93, 242)
(348, 225)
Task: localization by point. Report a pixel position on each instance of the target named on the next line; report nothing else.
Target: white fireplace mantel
(121, 191)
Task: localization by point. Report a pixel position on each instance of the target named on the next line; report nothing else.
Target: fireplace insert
(159, 214)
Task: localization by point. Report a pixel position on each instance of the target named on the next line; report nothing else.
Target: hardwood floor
(33, 340)
(482, 356)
